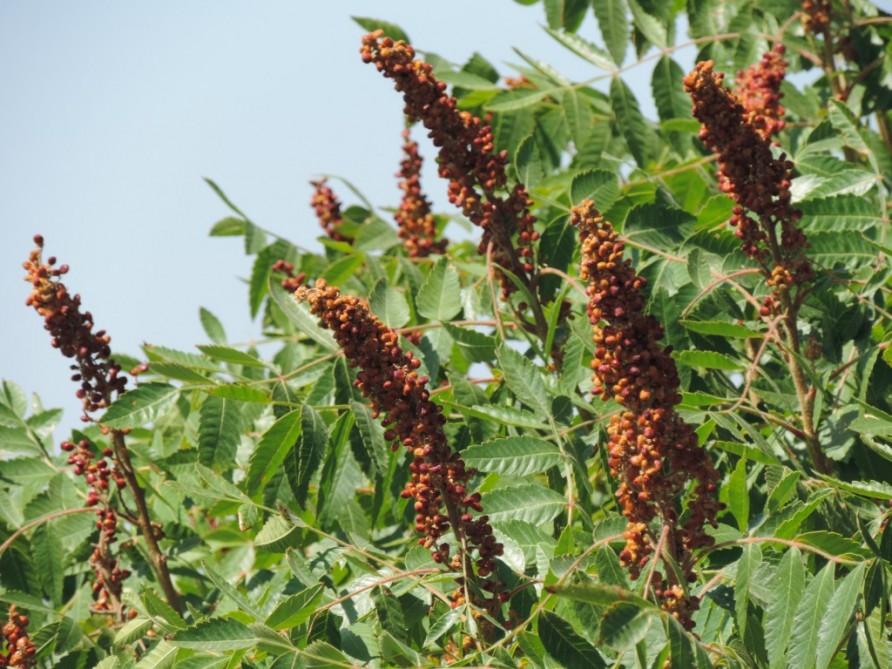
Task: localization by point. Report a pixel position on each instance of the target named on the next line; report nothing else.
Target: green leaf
(614, 26)
(720, 329)
(389, 304)
(260, 273)
(158, 608)
(162, 656)
(231, 355)
(505, 415)
(229, 227)
(786, 589)
(747, 565)
(843, 212)
(565, 645)
(218, 432)
(872, 489)
(271, 451)
(218, 635)
(341, 270)
(529, 163)
(139, 407)
(530, 502)
(229, 590)
(48, 555)
(624, 625)
(277, 535)
(584, 49)
(239, 392)
(631, 123)
(811, 609)
(684, 651)
(567, 14)
(509, 101)
(439, 298)
(375, 234)
(600, 186)
(305, 458)
(514, 456)
(738, 496)
(391, 30)
(650, 26)
(524, 379)
(478, 347)
(296, 609)
(668, 91)
(213, 328)
(707, 360)
(836, 619)
(753, 453)
(464, 79)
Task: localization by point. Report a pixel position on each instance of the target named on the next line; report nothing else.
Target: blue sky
(113, 112)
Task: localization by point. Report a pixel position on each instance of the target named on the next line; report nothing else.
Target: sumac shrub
(644, 420)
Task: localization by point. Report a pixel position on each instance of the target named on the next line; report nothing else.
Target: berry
(327, 208)
(414, 218)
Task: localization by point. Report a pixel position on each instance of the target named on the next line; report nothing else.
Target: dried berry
(763, 215)
(758, 90)
(816, 15)
(292, 281)
(388, 377)
(20, 650)
(327, 208)
(467, 158)
(414, 218)
(652, 452)
(72, 333)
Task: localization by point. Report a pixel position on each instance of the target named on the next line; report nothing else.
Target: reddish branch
(388, 377)
(652, 451)
(100, 380)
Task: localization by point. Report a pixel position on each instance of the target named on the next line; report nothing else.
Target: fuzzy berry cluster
(328, 209)
(98, 473)
(388, 377)
(758, 90)
(20, 650)
(72, 332)
(816, 15)
(467, 157)
(414, 218)
(292, 281)
(653, 453)
(763, 215)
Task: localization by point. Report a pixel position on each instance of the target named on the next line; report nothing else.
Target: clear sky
(112, 112)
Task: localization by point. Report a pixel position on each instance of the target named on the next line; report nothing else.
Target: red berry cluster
(816, 15)
(292, 281)
(20, 649)
(72, 332)
(108, 574)
(467, 158)
(758, 182)
(652, 451)
(328, 209)
(758, 90)
(388, 376)
(414, 218)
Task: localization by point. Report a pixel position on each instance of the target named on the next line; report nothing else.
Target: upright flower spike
(328, 209)
(758, 90)
(20, 650)
(764, 217)
(653, 453)
(72, 332)
(467, 158)
(816, 15)
(388, 377)
(414, 218)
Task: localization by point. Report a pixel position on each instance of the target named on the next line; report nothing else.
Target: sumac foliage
(644, 420)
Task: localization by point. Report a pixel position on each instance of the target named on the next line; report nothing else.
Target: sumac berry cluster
(816, 15)
(20, 650)
(389, 378)
(653, 453)
(763, 215)
(108, 575)
(414, 218)
(758, 89)
(467, 157)
(292, 281)
(72, 332)
(328, 209)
